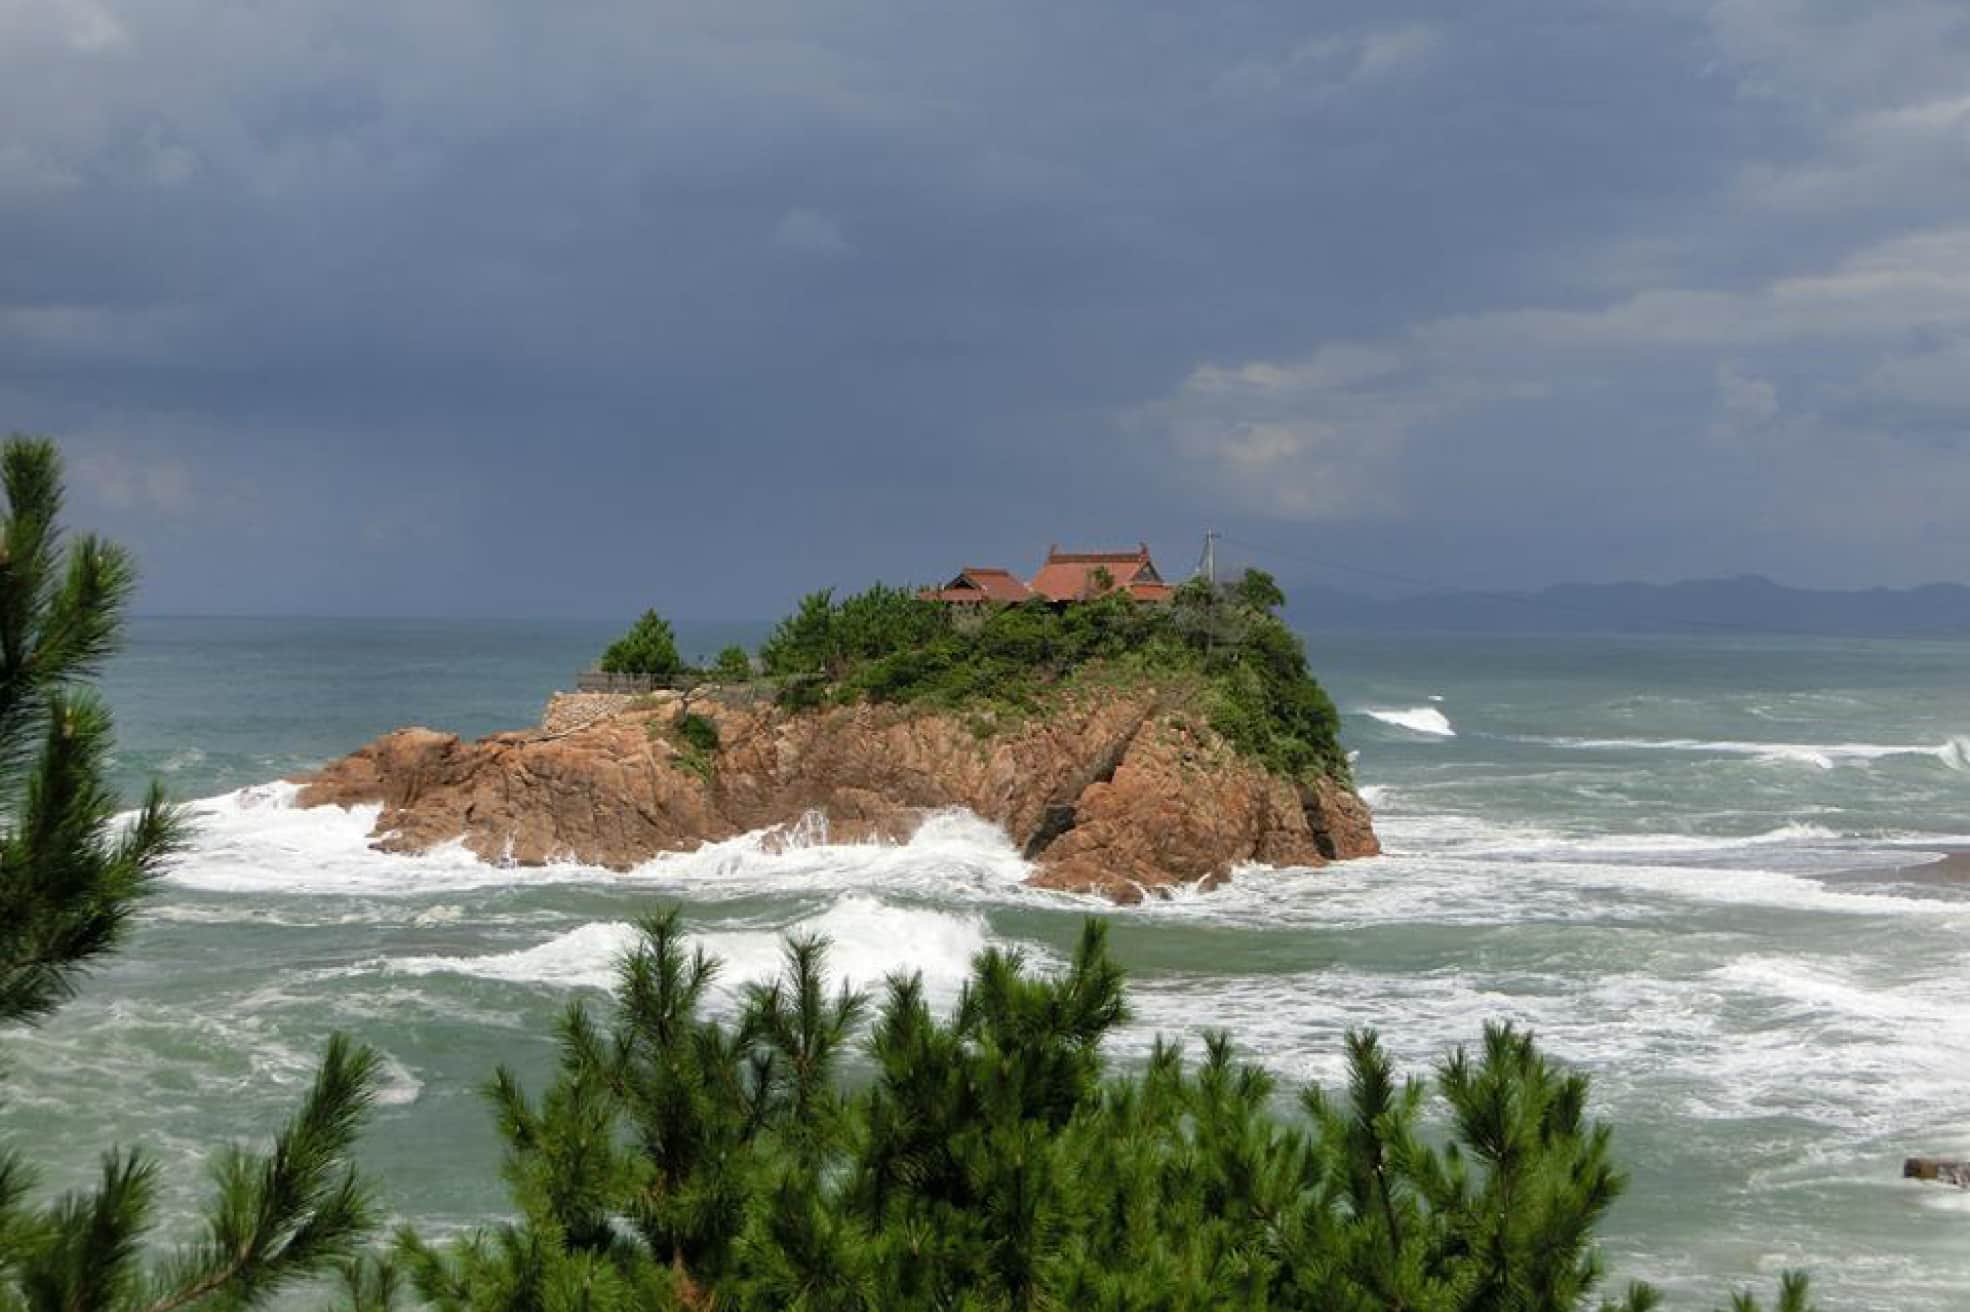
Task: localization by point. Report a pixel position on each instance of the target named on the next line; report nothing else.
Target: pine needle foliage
(733, 665)
(990, 1160)
(71, 878)
(649, 647)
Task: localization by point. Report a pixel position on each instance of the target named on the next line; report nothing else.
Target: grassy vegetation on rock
(1249, 669)
(695, 739)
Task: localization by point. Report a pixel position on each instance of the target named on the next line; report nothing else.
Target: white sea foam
(1427, 834)
(1485, 887)
(397, 1087)
(1677, 1043)
(1295, 1023)
(1541, 844)
(1377, 795)
(1417, 719)
(585, 956)
(1817, 1037)
(257, 841)
(869, 940)
(953, 855)
(1746, 887)
(179, 1054)
(1953, 752)
(1788, 833)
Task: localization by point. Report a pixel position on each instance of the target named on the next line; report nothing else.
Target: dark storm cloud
(484, 308)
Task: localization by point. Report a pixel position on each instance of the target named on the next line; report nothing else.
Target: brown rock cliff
(1118, 792)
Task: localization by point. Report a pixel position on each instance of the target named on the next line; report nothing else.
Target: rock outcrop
(1940, 1169)
(1120, 792)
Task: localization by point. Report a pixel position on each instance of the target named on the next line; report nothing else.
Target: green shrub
(802, 643)
(889, 645)
(802, 692)
(697, 732)
(733, 665)
(648, 648)
(826, 637)
(1259, 591)
(991, 1159)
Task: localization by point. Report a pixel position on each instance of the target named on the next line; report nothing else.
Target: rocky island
(1125, 745)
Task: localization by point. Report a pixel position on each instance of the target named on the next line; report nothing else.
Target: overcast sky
(436, 306)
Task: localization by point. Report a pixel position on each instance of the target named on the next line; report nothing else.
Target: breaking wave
(1417, 719)
(869, 941)
(1657, 845)
(257, 840)
(953, 854)
(1953, 752)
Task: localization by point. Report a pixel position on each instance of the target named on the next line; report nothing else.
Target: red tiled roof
(1069, 575)
(981, 583)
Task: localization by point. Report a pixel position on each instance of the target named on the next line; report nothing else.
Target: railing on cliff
(747, 691)
(609, 681)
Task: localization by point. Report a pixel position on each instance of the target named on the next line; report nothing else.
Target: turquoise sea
(1703, 869)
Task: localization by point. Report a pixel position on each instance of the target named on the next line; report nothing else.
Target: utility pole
(1211, 556)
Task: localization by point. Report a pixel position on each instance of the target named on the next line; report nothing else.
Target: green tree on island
(888, 644)
(1259, 590)
(648, 648)
(70, 880)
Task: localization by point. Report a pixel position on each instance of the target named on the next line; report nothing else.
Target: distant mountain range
(1749, 604)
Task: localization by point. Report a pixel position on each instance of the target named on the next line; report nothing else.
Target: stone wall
(569, 711)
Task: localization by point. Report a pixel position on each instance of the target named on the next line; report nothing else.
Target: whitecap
(1954, 752)
(258, 841)
(869, 940)
(584, 956)
(952, 855)
(397, 1087)
(1417, 719)
(1694, 844)
(1761, 1037)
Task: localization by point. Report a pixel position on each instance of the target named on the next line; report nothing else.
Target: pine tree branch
(30, 472)
(87, 1246)
(294, 1211)
(52, 632)
(69, 891)
(69, 884)
(16, 1179)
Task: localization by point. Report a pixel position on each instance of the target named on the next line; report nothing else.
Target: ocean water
(1701, 869)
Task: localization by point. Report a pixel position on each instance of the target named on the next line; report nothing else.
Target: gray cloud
(490, 308)
(809, 233)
